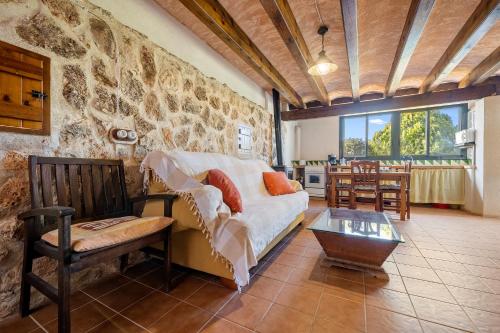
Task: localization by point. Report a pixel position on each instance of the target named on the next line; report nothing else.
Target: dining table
(400, 177)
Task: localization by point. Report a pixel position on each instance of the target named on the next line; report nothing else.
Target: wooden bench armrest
(53, 211)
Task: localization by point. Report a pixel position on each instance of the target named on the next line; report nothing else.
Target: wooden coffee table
(356, 239)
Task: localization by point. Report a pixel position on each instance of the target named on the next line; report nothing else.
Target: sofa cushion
(88, 236)
(266, 218)
(277, 183)
(230, 193)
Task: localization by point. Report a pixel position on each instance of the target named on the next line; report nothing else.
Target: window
(379, 134)
(413, 133)
(355, 132)
(24, 91)
(420, 134)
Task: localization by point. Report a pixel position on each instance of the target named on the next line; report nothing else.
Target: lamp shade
(322, 66)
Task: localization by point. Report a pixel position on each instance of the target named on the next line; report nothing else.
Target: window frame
(396, 135)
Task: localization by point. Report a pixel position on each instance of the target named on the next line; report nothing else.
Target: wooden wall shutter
(24, 91)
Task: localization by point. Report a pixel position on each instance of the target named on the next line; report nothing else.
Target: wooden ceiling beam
(394, 103)
(350, 19)
(418, 15)
(488, 67)
(477, 25)
(281, 15)
(218, 20)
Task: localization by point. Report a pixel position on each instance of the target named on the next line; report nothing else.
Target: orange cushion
(277, 183)
(230, 193)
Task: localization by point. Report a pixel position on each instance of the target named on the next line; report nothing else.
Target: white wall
(319, 138)
(147, 17)
(483, 182)
(288, 141)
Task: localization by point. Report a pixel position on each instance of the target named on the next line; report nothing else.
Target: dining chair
(342, 190)
(365, 176)
(394, 202)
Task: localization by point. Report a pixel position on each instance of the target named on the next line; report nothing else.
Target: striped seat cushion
(92, 235)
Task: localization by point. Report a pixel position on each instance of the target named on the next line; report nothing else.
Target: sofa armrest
(297, 186)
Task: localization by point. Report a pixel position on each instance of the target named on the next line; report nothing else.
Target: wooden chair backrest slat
(94, 188)
(366, 173)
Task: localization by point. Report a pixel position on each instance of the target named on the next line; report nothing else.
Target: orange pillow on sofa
(230, 193)
(277, 183)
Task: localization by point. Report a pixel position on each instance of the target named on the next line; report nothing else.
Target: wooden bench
(65, 191)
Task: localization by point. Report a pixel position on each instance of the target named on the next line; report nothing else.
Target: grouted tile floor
(444, 278)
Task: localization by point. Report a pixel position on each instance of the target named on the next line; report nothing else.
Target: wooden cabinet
(24, 91)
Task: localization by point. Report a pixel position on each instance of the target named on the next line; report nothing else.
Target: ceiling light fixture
(323, 65)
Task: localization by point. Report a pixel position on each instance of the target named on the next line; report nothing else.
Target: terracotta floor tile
(294, 249)
(329, 326)
(117, 324)
(245, 310)
(475, 260)
(418, 273)
(476, 299)
(462, 280)
(149, 309)
(482, 271)
(493, 285)
(153, 279)
(382, 321)
(344, 288)
(344, 273)
(18, 325)
(311, 262)
(433, 254)
(264, 287)
(219, 325)
(407, 250)
(442, 313)
(307, 278)
(390, 268)
(275, 271)
(281, 319)
(85, 318)
(140, 269)
(449, 266)
(429, 327)
(105, 285)
(428, 289)
(211, 297)
(188, 286)
(288, 259)
(342, 311)
(389, 300)
(302, 299)
(49, 311)
(313, 252)
(181, 319)
(429, 246)
(486, 322)
(393, 282)
(127, 294)
(410, 260)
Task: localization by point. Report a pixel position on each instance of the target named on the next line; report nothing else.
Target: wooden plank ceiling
(383, 49)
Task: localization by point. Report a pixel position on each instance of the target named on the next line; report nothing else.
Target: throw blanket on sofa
(226, 235)
(238, 239)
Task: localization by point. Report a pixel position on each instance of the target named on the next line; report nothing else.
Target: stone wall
(104, 75)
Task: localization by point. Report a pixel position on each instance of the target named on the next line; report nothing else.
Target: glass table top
(356, 223)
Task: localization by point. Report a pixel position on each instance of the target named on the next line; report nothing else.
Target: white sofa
(267, 219)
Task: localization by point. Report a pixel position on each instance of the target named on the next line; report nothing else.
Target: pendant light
(323, 65)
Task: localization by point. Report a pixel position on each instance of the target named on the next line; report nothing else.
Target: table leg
(402, 212)
(333, 194)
